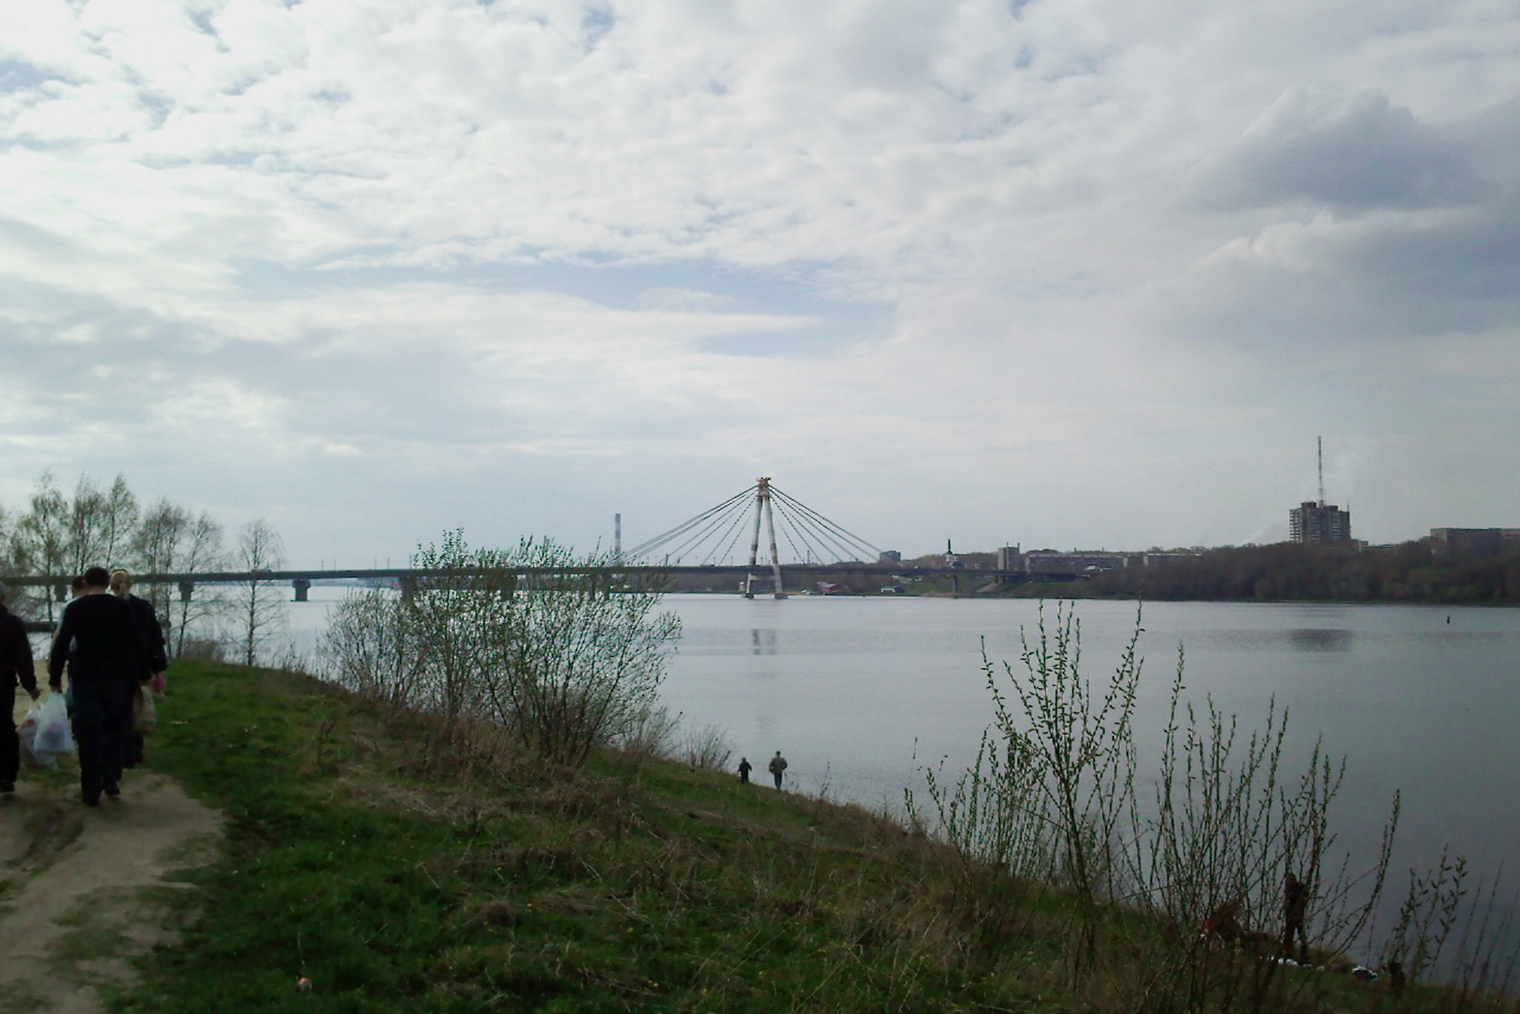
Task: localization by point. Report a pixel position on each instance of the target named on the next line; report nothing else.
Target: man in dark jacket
(155, 657)
(98, 640)
(15, 665)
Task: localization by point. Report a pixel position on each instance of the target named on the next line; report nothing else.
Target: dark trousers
(10, 743)
(136, 750)
(102, 722)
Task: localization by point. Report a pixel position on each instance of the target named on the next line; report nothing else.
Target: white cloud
(1068, 273)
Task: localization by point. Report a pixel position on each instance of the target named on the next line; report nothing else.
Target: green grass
(399, 875)
(401, 870)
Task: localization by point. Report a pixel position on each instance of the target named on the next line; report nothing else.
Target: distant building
(1010, 558)
(1319, 523)
(1472, 541)
(1155, 556)
(1048, 561)
(889, 556)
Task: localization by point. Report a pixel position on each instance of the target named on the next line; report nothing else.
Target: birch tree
(42, 535)
(260, 607)
(171, 540)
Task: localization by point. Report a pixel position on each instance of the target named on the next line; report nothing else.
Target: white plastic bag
(144, 714)
(52, 734)
(26, 733)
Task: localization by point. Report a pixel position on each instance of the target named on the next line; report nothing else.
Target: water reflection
(762, 642)
(1305, 639)
(1320, 639)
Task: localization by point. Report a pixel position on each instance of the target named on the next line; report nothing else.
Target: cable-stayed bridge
(815, 546)
(715, 533)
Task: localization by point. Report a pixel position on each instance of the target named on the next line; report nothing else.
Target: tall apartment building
(1318, 523)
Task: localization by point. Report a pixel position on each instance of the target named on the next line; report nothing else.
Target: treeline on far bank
(1408, 572)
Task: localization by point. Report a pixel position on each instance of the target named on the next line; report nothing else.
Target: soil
(85, 890)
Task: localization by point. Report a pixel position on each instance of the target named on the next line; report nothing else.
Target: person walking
(777, 768)
(154, 658)
(745, 767)
(15, 666)
(98, 640)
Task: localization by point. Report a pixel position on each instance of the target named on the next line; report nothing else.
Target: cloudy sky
(1051, 272)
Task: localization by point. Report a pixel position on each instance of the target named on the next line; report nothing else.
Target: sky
(1085, 273)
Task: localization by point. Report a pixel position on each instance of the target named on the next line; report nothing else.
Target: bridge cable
(736, 530)
(815, 538)
(856, 541)
(857, 544)
(697, 540)
(809, 532)
(651, 545)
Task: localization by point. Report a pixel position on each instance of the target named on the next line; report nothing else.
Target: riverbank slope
(379, 861)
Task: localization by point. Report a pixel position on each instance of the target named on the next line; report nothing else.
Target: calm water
(1419, 699)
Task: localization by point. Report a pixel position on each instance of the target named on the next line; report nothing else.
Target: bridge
(824, 550)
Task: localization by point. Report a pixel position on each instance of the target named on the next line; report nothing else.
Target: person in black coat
(98, 640)
(155, 656)
(15, 665)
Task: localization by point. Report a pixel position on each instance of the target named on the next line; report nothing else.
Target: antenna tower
(1319, 443)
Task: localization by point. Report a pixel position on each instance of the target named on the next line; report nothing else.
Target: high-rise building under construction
(1319, 522)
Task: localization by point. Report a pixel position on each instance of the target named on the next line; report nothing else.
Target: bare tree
(261, 611)
(157, 547)
(171, 540)
(85, 512)
(42, 534)
(371, 647)
(118, 524)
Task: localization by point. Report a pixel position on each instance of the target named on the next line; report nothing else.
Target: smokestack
(617, 537)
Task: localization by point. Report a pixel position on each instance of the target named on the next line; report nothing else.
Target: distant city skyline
(1068, 276)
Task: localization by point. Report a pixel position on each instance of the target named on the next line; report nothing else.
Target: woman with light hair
(154, 661)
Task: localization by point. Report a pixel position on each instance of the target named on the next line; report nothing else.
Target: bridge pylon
(763, 509)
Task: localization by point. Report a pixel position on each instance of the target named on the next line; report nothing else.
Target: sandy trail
(84, 890)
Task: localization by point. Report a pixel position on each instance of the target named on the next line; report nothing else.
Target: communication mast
(1319, 444)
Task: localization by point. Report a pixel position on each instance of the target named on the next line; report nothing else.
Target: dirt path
(83, 890)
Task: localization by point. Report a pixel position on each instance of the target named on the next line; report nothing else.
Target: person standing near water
(777, 767)
(15, 665)
(1295, 907)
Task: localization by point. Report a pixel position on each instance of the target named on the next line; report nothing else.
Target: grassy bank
(402, 869)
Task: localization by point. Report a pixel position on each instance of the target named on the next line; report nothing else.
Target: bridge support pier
(408, 586)
(186, 589)
(60, 592)
(302, 587)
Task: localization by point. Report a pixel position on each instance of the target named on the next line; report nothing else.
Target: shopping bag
(36, 760)
(52, 735)
(26, 733)
(144, 713)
